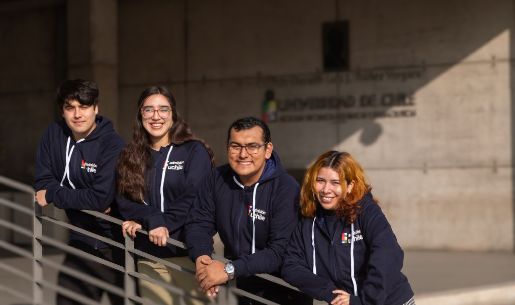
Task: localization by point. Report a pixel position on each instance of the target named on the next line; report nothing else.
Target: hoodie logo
(346, 237)
(258, 214)
(88, 167)
(174, 165)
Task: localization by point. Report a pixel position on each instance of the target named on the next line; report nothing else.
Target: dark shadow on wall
(512, 109)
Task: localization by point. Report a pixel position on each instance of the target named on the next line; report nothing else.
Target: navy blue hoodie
(187, 164)
(90, 183)
(377, 256)
(225, 206)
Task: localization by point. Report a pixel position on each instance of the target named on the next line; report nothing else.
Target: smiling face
(248, 166)
(329, 189)
(80, 118)
(156, 116)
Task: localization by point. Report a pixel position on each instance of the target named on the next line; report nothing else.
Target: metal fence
(227, 295)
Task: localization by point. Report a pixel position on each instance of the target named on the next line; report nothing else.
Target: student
(158, 175)
(253, 204)
(344, 250)
(75, 170)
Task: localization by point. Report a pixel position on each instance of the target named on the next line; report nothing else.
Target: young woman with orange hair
(344, 250)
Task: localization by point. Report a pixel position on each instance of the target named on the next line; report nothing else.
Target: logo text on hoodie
(90, 167)
(346, 237)
(258, 214)
(175, 165)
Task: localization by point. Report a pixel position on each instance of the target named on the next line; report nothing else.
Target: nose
(76, 112)
(243, 152)
(155, 115)
(326, 188)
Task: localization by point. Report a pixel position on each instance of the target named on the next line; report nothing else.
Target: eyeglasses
(252, 148)
(163, 112)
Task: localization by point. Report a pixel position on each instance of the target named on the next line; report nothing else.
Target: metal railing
(227, 295)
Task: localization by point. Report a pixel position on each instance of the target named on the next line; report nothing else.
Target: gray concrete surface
(438, 277)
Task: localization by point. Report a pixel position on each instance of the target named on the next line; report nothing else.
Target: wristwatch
(229, 269)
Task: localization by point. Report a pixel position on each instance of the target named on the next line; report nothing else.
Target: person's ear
(350, 186)
(269, 148)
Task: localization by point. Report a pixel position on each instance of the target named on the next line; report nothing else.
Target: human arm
(283, 219)
(385, 260)
(200, 225)
(44, 176)
(100, 194)
(297, 268)
(197, 166)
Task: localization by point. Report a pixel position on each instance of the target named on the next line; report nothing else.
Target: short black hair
(85, 92)
(248, 123)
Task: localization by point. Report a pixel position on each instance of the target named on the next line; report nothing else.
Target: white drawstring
(354, 285)
(254, 219)
(68, 154)
(313, 245)
(352, 260)
(253, 212)
(163, 174)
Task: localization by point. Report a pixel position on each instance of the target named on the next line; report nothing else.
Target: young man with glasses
(252, 203)
(75, 170)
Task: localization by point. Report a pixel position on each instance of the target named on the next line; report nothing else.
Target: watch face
(229, 268)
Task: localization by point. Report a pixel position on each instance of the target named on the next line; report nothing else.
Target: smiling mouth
(244, 162)
(326, 199)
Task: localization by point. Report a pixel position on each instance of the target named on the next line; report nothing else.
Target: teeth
(326, 199)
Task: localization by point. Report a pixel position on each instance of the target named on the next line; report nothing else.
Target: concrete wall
(425, 106)
(32, 53)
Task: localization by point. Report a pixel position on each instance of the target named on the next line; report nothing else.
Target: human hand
(211, 276)
(108, 210)
(40, 198)
(129, 228)
(159, 236)
(342, 297)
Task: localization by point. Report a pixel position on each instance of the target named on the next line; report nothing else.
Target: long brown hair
(348, 170)
(135, 157)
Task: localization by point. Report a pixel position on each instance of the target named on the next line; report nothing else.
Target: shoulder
(112, 141)
(287, 182)
(369, 204)
(192, 146)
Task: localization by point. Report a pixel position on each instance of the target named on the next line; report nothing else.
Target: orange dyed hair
(348, 170)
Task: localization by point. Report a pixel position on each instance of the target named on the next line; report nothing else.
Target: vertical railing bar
(37, 249)
(129, 268)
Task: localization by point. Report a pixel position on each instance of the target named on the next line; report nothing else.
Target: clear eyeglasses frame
(163, 112)
(252, 148)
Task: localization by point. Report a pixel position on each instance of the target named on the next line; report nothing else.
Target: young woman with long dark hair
(158, 174)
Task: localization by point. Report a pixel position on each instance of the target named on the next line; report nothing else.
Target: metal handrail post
(129, 268)
(37, 248)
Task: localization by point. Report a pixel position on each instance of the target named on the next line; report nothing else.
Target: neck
(158, 143)
(251, 180)
(82, 135)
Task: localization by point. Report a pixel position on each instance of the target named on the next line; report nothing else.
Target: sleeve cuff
(354, 300)
(50, 194)
(195, 253)
(240, 268)
(155, 221)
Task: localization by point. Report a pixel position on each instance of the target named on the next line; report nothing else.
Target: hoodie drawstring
(354, 285)
(253, 212)
(163, 174)
(352, 259)
(313, 245)
(69, 152)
